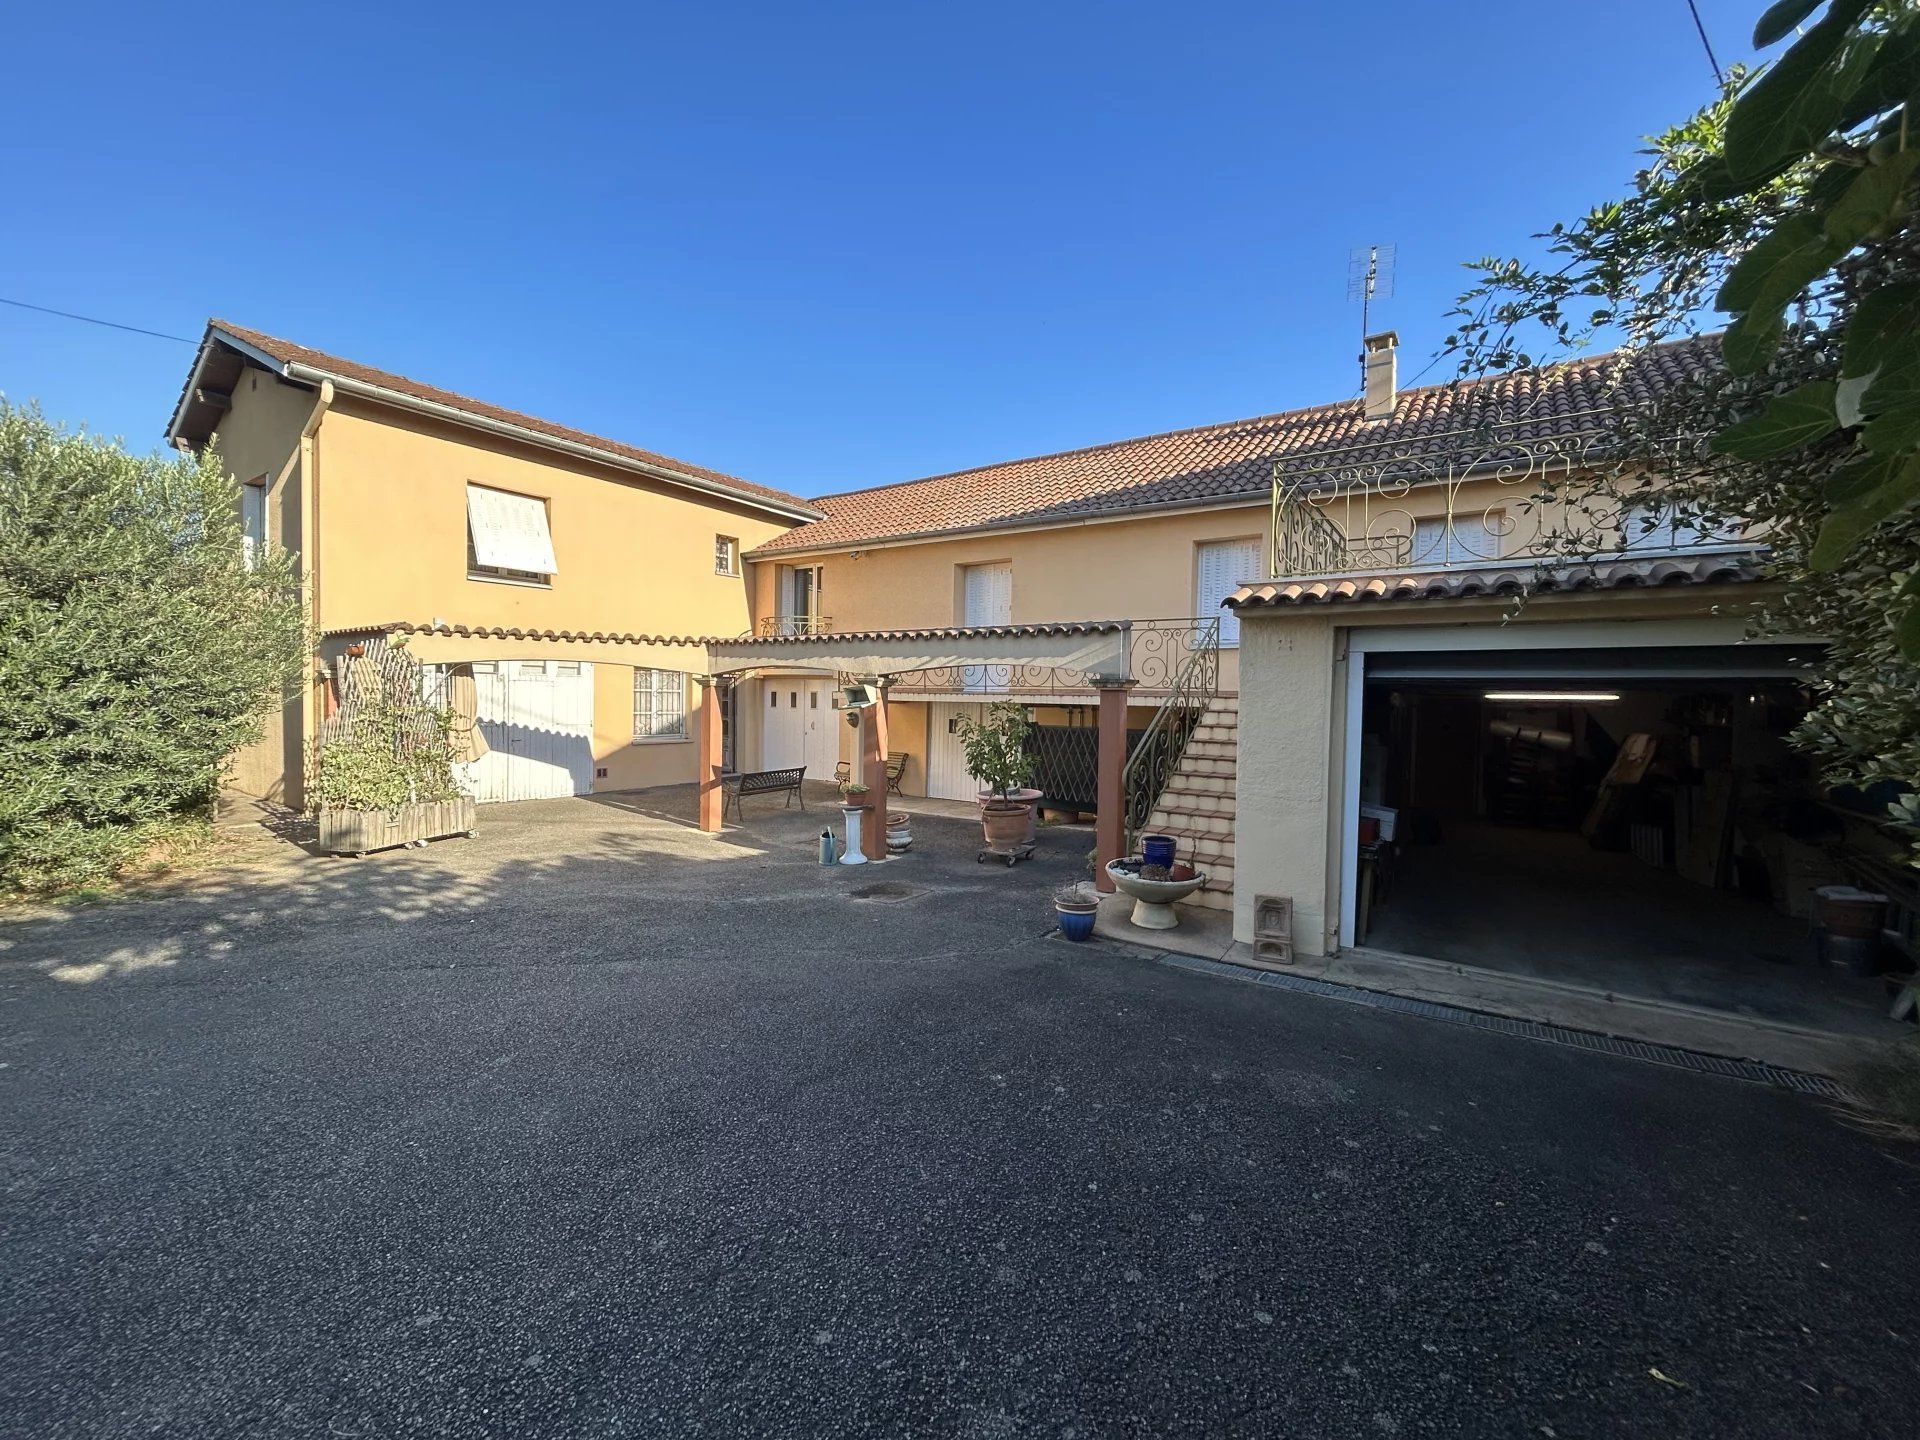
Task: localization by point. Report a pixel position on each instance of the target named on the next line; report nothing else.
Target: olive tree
(138, 645)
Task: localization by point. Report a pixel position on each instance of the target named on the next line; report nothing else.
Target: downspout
(310, 560)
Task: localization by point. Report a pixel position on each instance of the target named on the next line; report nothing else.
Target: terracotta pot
(1028, 798)
(1006, 826)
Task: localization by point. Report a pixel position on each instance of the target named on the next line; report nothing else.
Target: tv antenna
(1369, 278)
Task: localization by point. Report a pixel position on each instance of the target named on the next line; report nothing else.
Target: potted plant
(995, 747)
(383, 768)
(1075, 906)
(899, 831)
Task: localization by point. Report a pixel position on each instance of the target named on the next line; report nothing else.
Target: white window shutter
(1222, 567)
(510, 531)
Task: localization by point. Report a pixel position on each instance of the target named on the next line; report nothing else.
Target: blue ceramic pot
(1075, 924)
(1157, 850)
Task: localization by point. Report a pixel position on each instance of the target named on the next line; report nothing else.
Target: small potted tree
(996, 752)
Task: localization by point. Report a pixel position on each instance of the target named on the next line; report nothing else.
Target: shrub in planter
(383, 771)
(996, 755)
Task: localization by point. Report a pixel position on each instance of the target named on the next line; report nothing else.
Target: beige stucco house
(574, 574)
(1347, 655)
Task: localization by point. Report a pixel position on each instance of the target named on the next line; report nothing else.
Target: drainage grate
(1750, 1070)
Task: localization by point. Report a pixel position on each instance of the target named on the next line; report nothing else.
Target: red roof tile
(289, 353)
(1235, 460)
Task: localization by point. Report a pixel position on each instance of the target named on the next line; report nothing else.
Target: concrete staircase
(1197, 806)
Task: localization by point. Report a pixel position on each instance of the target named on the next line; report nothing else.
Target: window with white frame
(508, 537)
(726, 555)
(1651, 525)
(1220, 568)
(253, 521)
(1459, 541)
(659, 705)
(799, 596)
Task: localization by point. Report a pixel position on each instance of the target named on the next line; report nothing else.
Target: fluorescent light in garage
(1555, 697)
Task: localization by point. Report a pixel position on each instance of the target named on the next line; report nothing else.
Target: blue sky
(820, 247)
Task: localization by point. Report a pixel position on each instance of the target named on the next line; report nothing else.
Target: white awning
(510, 531)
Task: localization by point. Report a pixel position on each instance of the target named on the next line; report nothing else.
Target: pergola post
(1109, 790)
(712, 751)
(873, 769)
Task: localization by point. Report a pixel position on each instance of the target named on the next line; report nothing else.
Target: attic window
(508, 538)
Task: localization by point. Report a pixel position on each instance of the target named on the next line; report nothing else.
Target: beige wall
(1141, 568)
(633, 557)
(1289, 830)
(259, 436)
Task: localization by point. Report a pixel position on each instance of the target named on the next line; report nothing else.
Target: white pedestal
(855, 814)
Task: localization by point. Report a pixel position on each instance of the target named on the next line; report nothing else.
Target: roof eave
(301, 373)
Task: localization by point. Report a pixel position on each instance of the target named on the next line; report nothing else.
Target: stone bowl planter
(1152, 899)
(355, 832)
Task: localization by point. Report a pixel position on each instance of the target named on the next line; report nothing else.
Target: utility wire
(1719, 75)
(90, 320)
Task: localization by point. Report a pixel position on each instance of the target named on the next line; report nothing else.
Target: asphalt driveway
(597, 1126)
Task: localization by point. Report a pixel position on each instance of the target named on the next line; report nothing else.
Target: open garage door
(1626, 818)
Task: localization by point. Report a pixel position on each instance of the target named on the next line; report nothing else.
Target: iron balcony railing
(1497, 493)
(774, 626)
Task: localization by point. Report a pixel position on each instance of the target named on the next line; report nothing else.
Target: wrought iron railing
(773, 626)
(1154, 758)
(1496, 493)
(1157, 652)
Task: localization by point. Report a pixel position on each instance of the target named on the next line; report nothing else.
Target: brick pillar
(873, 772)
(1110, 825)
(712, 749)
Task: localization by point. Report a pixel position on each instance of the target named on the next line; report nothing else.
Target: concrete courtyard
(596, 1125)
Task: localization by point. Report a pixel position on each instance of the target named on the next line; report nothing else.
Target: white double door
(537, 719)
(799, 726)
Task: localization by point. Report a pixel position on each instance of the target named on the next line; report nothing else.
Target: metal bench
(735, 787)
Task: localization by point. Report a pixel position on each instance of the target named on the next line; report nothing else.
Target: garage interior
(1627, 822)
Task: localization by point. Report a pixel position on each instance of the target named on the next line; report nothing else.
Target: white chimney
(1382, 363)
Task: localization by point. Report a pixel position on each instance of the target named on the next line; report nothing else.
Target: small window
(773, 699)
(659, 705)
(253, 521)
(726, 555)
(508, 537)
(813, 699)
(566, 667)
(793, 699)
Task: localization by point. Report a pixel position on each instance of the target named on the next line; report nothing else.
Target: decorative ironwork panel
(1449, 501)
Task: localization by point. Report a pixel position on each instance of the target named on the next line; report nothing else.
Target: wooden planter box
(355, 832)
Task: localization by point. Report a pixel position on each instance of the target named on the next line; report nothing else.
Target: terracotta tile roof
(1495, 580)
(289, 353)
(1235, 460)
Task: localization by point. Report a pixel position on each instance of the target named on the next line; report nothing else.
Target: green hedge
(137, 650)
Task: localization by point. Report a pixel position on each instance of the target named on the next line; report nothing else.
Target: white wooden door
(987, 599)
(537, 719)
(822, 724)
(947, 777)
(783, 723)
